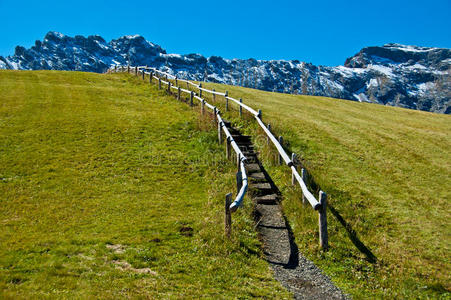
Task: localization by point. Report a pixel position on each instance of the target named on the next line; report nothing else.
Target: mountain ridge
(393, 74)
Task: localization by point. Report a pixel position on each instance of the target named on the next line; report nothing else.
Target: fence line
(318, 205)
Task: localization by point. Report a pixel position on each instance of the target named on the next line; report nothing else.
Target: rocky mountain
(393, 74)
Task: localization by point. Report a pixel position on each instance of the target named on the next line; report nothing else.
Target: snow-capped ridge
(393, 74)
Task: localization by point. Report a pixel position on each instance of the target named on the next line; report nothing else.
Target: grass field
(387, 172)
(110, 189)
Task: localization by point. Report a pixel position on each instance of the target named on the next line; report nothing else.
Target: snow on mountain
(398, 75)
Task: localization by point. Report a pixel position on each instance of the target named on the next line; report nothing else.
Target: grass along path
(109, 188)
(387, 172)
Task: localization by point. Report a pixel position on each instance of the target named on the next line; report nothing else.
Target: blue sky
(320, 32)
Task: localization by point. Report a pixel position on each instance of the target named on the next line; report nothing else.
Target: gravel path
(291, 268)
(294, 271)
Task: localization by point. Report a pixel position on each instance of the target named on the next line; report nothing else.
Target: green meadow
(111, 189)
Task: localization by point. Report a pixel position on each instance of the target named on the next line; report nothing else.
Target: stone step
(251, 159)
(260, 176)
(262, 186)
(267, 199)
(249, 154)
(253, 168)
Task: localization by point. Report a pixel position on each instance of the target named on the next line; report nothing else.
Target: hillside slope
(110, 189)
(387, 172)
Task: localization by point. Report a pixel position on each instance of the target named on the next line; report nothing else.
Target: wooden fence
(319, 205)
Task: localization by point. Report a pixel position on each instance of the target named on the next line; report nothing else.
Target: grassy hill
(387, 172)
(102, 178)
(111, 189)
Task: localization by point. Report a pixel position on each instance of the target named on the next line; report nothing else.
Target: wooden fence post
(115, 68)
(176, 81)
(322, 220)
(128, 68)
(267, 137)
(228, 216)
(259, 114)
(241, 108)
(227, 100)
(159, 83)
(191, 96)
(281, 144)
(179, 92)
(304, 178)
(200, 90)
(169, 87)
(150, 77)
(293, 178)
(202, 107)
(219, 133)
(228, 148)
(214, 95)
(136, 71)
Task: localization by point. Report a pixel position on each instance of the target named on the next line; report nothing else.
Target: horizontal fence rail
(317, 204)
(242, 159)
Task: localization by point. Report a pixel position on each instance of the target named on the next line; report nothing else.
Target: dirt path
(291, 268)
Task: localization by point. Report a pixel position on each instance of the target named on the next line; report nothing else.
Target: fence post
(219, 133)
(259, 114)
(202, 107)
(169, 87)
(228, 215)
(267, 138)
(281, 144)
(293, 179)
(150, 77)
(115, 68)
(200, 91)
(322, 220)
(241, 108)
(176, 81)
(159, 83)
(179, 92)
(136, 71)
(214, 95)
(227, 100)
(228, 148)
(128, 68)
(239, 176)
(143, 74)
(304, 178)
(191, 96)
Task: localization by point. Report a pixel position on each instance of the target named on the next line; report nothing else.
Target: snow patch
(382, 69)
(372, 82)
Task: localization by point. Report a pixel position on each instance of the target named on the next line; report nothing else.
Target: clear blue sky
(321, 32)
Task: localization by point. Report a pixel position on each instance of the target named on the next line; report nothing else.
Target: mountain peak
(54, 35)
(393, 54)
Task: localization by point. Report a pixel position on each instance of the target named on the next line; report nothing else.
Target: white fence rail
(318, 205)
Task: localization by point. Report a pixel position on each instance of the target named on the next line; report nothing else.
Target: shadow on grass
(353, 236)
(313, 186)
